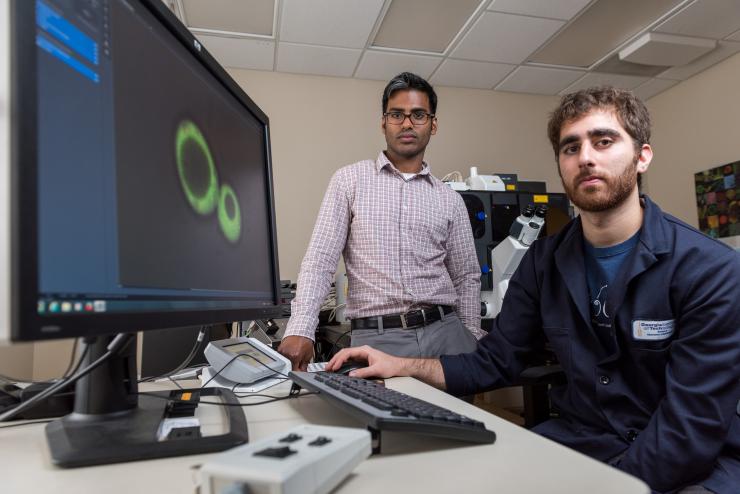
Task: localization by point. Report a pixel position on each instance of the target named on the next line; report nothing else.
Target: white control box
(308, 459)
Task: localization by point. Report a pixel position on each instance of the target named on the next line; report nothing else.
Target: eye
(418, 115)
(570, 149)
(603, 142)
(395, 115)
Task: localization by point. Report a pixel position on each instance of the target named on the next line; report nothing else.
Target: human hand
(379, 364)
(298, 349)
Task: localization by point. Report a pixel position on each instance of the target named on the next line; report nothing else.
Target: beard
(615, 191)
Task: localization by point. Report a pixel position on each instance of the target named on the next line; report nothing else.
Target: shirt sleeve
(689, 428)
(320, 262)
(503, 353)
(462, 266)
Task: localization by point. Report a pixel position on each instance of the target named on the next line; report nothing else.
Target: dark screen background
(163, 242)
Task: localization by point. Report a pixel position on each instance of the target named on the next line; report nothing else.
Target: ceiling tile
(560, 9)
(734, 37)
(236, 16)
(652, 87)
(597, 79)
(705, 18)
(381, 65)
(538, 80)
(423, 25)
(505, 38)
(724, 49)
(239, 52)
(604, 26)
(343, 23)
(321, 60)
(462, 73)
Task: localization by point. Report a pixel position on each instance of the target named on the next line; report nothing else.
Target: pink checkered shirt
(405, 244)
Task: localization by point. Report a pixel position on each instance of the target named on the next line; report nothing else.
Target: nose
(407, 118)
(585, 155)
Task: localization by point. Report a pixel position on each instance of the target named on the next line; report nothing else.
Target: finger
(364, 373)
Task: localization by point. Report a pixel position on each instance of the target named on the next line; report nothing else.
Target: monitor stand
(112, 423)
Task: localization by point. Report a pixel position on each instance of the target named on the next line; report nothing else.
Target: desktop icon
(66, 307)
(78, 306)
(53, 306)
(99, 305)
(89, 307)
(41, 306)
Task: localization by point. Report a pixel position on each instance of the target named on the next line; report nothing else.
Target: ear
(434, 125)
(382, 124)
(646, 156)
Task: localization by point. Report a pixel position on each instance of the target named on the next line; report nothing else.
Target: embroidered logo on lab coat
(653, 330)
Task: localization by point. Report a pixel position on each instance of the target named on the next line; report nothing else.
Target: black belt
(409, 320)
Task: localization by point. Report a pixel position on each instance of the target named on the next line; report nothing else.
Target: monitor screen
(145, 196)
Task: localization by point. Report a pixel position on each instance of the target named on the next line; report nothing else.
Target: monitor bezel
(26, 324)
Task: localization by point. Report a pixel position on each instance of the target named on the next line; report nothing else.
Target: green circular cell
(231, 224)
(189, 133)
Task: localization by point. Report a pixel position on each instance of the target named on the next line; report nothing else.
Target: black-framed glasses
(417, 117)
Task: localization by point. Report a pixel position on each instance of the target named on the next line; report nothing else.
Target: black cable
(27, 423)
(334, 345)
(119, 342)
(71, 358)
(219, 403)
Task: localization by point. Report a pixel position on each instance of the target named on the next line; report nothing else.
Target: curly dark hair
(630, 110)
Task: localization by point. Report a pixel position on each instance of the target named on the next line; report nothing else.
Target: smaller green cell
(231, 226)
(205, 203)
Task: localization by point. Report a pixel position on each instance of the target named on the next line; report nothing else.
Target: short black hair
(407, 80)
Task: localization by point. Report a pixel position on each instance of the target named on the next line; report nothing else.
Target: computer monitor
(136, 192)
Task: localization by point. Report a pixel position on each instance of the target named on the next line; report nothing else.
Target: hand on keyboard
(379, 364)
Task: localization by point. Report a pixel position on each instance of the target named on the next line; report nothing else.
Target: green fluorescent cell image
(196, 168)
(229, 216)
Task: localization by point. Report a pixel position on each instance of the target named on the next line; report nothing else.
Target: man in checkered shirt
(414, 279)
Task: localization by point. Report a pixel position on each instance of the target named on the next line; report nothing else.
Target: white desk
(518, 462)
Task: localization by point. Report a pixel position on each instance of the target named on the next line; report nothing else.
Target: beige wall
(696, 126)
(319, 124)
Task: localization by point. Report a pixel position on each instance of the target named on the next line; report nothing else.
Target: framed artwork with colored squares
(718, 200)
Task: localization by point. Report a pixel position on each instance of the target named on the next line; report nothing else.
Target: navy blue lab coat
(668, 405)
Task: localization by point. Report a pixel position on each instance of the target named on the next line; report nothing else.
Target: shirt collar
(384, 162)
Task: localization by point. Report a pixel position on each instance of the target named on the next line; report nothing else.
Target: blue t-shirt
(602, 266)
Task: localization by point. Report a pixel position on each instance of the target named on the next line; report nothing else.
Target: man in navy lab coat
(642, 311)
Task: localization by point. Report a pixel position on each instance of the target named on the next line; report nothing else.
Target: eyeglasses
(417, 117)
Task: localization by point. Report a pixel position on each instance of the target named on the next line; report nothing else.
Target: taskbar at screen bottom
(56, 307)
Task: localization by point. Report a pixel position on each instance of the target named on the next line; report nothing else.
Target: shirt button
(604, 380)
(631, 435)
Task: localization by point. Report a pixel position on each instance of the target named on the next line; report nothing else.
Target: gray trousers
(447, 336)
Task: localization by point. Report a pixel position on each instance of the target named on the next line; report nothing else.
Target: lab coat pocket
(560, 343)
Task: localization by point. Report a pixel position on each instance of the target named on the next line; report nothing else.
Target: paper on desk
(222, 382)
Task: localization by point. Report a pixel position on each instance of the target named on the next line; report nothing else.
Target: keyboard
(381, 408)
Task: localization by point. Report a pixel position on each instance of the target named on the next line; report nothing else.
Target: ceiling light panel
(318, 60)
(236, 16)
(383, 65)
(343, 23)
(705, 18)
(423, 25)
(597, 79)
(600, 29)
(652, 87)
(558, 9)
(463, 73)
(240, 53)
(613, 65)
(724, 50)
(505, 38)
(666, 49)
(538, 80)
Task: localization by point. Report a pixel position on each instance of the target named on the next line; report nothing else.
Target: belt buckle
(423, 317)
(404, 325)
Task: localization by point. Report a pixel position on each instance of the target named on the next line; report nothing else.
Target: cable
(120, 341)
(236, 357)
(193, 352)
(218, 403)
(27, 423)
(334, 345)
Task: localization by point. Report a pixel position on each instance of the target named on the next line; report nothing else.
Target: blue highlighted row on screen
(61, 29)
(65, 57)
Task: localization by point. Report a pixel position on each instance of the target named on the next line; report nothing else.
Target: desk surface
(518, 462)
